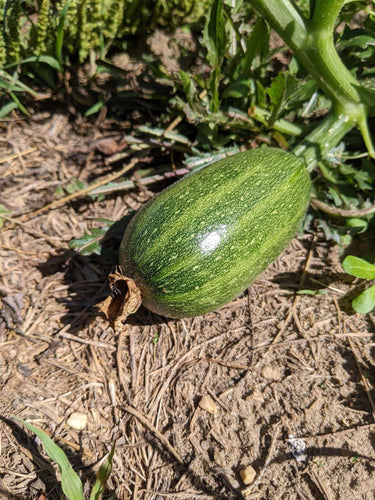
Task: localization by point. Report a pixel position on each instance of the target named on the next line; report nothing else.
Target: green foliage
(42, 28)
(365, 301)
(215, 40)
(243, 91)
(90, 243)
(70, 481)
(88, 25)
(102, 476)
(113, 20)
(5, 212)
(311, 292)
(11, 20)
(39, 40)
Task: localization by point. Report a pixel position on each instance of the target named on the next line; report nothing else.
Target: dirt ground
(283, 371)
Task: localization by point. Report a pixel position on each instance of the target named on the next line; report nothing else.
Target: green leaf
(238, 89)
(311, 292)
(102, 476)
(215, 40)
(360, 224)
(276, 93)
(256, 41)
(94, 108)
(51, 61)
(189, 87)
(287, 93)
(358, 267)
(74, 186)
(261, 94)
(7, 108)
(365, 302)
(276, 90)
(12, 83)
(362, 41)
(103, 66)
(70, 482)
(20, 106)
(90, 242)
(214, 35)
(60, 33)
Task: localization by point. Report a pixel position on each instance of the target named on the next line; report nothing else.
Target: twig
(133, 363)
(285, 324)
(188, 495)
(74, 338)
(295, 301)
(222, 362)
(363, 378)
(32, 232)
(158, 434)
(320, 484)
(120, 366)
(17, 155)
(318, 337)
(81, 192)
(250, 488)
(340, 212)
(18, 250)
(179, 362)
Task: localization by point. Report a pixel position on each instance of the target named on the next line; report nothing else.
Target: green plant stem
(323, 139)
(322, 59)
(285, 19)
(312, 43)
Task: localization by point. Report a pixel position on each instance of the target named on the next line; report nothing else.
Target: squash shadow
(86, 279)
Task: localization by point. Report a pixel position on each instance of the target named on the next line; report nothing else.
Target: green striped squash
(202, 241)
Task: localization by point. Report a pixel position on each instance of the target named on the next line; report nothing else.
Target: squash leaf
(365, 302)
(358, 267)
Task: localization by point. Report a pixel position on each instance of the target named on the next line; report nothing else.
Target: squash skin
(202, 241)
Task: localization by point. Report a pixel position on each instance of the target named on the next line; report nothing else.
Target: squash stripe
(193, 300)
(254, 214)
(169, 232)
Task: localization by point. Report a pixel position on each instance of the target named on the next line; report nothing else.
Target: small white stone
(271, 372)
(77, 421)
(248, 474)
(257, 395)
(208, 404)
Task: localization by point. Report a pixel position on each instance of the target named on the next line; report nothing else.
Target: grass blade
(11, 82)
(19, 104)
(256, 41)
(7, 108)
(51, 61)
(60, 33)
(70, 482)
(102, 476)
(95, 108)
(215, 40)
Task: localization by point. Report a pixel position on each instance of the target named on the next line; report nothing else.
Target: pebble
(77, 421)
(257, 395)
(248, 474)
(271, 372)
(208, 404)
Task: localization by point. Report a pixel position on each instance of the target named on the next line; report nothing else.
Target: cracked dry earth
(286, 379)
